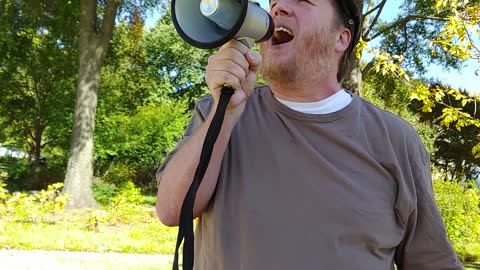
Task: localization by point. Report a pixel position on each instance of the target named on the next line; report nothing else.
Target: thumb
(250, 82)
(255, 61)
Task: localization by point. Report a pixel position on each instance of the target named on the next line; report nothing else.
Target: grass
(471, 266)
(76, 233)
(149, 200)
(128, 230)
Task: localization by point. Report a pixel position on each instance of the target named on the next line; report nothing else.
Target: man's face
(303, 45)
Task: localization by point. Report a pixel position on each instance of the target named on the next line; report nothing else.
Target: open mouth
(282, 35)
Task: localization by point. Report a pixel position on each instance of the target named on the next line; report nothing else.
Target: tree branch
(403, 22)
(470, 39)
(368, 67)
(374, 22)
(109, 21)
(375, 8)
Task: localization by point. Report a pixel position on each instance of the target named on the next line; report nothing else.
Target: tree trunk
(36, 163)
(354, 79)
(93, 48)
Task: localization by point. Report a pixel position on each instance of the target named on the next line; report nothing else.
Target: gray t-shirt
(346, 190)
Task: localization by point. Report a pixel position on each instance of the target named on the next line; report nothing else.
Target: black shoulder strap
(185, 230)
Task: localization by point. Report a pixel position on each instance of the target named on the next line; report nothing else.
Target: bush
(103, 192)
(15, 172)
(33, 207)
(22, 176)
(128, 194)
(459, 206)
(138, 141)
(127, 206)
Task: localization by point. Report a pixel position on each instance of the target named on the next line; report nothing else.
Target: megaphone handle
(247, 41)
(185, 230)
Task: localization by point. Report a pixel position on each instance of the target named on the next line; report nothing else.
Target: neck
(305, 90)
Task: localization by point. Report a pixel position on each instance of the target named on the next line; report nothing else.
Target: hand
(235, 65)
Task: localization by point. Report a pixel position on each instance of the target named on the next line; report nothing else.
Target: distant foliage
(131, 146)
(459, 206)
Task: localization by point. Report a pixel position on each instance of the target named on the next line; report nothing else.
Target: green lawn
(472, 266)
(137, 232)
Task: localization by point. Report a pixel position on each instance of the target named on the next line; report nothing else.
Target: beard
(311, 59)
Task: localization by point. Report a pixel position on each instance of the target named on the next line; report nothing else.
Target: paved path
(53, 260)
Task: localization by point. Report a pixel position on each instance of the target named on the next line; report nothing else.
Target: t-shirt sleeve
(200, 112)
(425, 245)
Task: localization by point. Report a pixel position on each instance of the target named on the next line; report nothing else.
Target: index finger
(242, 48)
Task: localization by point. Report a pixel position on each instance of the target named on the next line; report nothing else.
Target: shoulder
(395, 128)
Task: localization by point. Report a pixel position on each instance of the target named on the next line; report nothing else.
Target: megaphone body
(208, 24)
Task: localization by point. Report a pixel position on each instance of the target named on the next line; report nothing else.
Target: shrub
(4, 195)
(33, 207)
(103, 192)
(119, 173)
(127, 205)
(128, 194)
(459, 206)
(15, 172)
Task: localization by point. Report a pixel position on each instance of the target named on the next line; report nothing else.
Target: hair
(341, 20)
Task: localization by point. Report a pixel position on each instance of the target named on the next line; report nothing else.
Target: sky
(464, 79)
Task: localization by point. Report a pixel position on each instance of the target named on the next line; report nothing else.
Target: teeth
(281, 28)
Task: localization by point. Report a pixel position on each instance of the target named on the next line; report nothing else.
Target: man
(304, 174)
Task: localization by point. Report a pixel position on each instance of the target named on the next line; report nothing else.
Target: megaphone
(208, 24)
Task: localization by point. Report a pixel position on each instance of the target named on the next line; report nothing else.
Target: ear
(344, 36)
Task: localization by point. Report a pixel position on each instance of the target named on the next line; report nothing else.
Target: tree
(96, 32)
(456, 39)
(402, 43)
(452, 153)
(178, 67)
(138, 117)
(440, 31)
(38, 47)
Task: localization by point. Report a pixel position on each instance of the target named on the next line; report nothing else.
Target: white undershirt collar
(331, 104)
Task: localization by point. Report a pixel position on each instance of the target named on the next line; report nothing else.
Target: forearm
(179, 172)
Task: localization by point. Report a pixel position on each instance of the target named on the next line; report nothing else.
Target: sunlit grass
(146, 236)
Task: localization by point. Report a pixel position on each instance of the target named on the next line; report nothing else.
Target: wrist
(231, 117)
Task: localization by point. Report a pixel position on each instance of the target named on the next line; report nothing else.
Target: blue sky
(465, 78)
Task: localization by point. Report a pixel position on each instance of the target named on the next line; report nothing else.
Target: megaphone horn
(208, 24)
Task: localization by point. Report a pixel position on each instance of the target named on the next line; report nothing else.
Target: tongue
(280, 37)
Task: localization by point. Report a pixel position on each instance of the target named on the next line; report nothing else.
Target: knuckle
(236, 69)
(211, 58)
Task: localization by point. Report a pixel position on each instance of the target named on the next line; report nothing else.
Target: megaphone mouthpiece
(221, 12)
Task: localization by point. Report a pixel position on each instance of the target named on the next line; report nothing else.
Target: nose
(280, 8)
